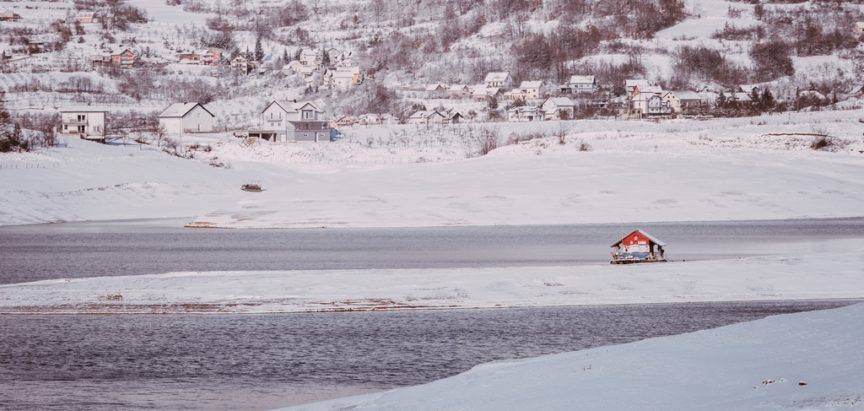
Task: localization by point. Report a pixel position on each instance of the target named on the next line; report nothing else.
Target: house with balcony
(293, 121)
(83, 122)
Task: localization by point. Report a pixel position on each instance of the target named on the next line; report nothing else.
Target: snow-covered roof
(497, 76)
(581, 79)
(651, 89)
(458, 87)
(178, 110)
(293, 106)
(560, 101)
(641, 83)
(486, 91)
(433, 87)
(531, 84)
(740, 96)
(748, 88)
(812, 93)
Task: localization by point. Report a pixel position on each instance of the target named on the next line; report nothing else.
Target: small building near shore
(638, 247)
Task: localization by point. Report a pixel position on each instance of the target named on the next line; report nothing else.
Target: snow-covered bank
(832, 275)
(401, 176)
(91, 181)
(778, 363)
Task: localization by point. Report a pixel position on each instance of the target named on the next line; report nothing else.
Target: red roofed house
(638, 247)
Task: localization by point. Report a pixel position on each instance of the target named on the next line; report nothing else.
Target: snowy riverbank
(834, 274)
(400, 176)
(779, 363)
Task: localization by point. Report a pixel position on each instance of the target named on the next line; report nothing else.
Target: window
(82, 117)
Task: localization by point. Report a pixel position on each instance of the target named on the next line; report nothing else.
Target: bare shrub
(488, 141)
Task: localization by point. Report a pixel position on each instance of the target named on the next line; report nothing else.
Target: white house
(311, 58)
(639, 95)
(426, 117)
(293, 121)
(241, 64)
(528, 90)
(459, 91)
(482, 92)
(83, 122)
(346, 77)
(525, 113)
(559, 108)
(683, 101)
(181, 118)
(630, 84)
(498, 79)
(582, 84)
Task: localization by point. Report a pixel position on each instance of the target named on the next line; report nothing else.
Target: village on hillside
(79, 51)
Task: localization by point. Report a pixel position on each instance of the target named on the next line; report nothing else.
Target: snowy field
(399, 176)
(807, 361)
(829, 270)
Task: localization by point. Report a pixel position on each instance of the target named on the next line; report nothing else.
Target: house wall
(674, 102)
(198, 121)
(274, 118)
(582, 87)
(173, 126)
(93, 124)
(317, 131)
(636, 244)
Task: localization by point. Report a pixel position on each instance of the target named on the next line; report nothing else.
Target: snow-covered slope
(401, 176)
(807, 361)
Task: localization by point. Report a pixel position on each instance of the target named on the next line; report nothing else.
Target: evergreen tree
(285, 57)
(721, 100)
(325, 59)
(756, 99)
(768, 100)
(259, 51)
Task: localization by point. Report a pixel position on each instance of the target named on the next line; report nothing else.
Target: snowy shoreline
(823, 276)
(773, 364)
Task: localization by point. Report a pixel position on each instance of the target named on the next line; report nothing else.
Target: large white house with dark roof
(180, 118)
(293, 121)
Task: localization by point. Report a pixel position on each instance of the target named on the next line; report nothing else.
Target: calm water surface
(216, 362)
(39, 252)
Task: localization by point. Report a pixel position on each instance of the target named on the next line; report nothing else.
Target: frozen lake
(40, 252)
(256, 362)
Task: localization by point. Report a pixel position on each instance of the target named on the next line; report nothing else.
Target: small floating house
(638, 247)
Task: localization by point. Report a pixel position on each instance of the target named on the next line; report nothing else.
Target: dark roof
(179, 110)
(643, 232)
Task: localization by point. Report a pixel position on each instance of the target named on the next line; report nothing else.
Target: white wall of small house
(198, 120)
(93, 124)
(173, 125)
(274, 118)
